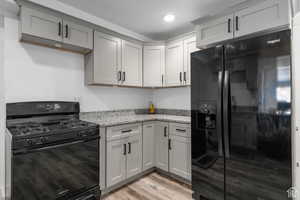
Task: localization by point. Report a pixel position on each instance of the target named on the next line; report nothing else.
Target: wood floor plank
(152, 187)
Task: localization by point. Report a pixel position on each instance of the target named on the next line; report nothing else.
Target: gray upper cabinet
(132, 64)
(245, 19)
(77, 35)
(174, 64)
(114, 62)
(41, 25)
(214, 31)
(154, 66)
(266, 15)
(50, 29)
(189, 46)
(102, 64)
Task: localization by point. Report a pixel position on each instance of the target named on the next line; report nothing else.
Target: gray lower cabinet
(180, 150)
(52, 29)
(134, 155)
(134, 148)
(148, 145)
(115, 162)
(124, 153)
(161, 145)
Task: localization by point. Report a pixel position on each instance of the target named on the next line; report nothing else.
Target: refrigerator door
(257, 114)
(206, 101)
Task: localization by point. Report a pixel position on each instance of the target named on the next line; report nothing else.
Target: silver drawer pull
(127, 131)
(180, 130)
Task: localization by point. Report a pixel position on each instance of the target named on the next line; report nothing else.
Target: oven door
(59, 171)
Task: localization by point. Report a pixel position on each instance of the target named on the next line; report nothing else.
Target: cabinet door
(161, 145)
(189, 47)
(132, 64)
(266, 15)
(180, 156)
(154, 65)
(215, 31)
(148, 145)
(116, 162)
(77, 35)
(107, 59)
(41, 25)
(174, 64)
(134, 155)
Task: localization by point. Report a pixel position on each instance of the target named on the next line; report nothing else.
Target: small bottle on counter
(151, 108)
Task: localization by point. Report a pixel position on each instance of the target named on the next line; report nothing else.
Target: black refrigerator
(241, 119)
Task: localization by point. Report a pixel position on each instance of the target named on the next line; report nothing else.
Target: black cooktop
(41, 123)
(32, 128)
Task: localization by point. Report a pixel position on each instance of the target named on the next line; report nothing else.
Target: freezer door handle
(226, 112)
(219, 114)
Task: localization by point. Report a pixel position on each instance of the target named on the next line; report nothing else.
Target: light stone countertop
(127, 119)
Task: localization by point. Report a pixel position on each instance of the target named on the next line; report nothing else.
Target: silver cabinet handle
(119, 75)
(180, 76)
(180, 130)
(229, 25)
(59, 29)
(129, 147)
(165, 131)
(127, 131)
(67, 31)
(237, 23)
(124, 76)
(124, 152)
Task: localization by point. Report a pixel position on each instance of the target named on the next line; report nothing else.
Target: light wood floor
(152, 187)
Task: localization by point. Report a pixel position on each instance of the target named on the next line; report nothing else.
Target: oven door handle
(24, 151)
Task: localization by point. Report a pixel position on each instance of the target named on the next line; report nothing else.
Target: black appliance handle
(29, 150)
(169, 144)
(219, 113)
(226, 119)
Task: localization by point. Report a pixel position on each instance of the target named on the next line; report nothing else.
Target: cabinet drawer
(183, 130)
(122, 131)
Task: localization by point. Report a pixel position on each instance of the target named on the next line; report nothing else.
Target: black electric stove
(55, 155)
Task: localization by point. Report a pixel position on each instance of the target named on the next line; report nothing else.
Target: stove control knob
(43, 140)
(29, 142)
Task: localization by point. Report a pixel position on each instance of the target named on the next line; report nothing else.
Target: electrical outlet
(77, 99)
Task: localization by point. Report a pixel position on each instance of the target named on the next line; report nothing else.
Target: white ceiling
(146, 16)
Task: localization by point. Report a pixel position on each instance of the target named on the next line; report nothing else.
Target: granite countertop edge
(138, 119)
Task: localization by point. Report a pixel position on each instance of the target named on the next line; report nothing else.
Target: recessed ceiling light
(169, 18)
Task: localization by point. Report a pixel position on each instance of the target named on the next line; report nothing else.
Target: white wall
(39, 73)
(2, 112)
(172, 98)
